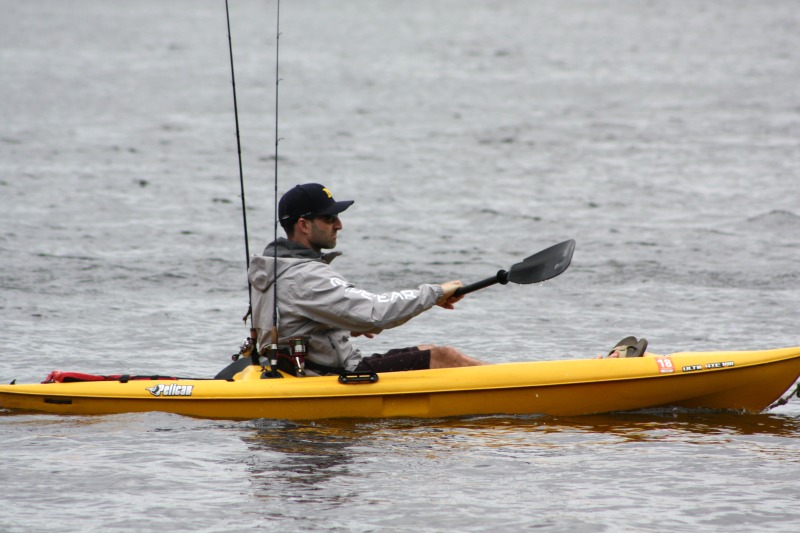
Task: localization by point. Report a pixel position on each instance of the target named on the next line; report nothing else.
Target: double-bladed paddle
(541, 266)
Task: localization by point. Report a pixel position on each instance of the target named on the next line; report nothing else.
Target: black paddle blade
(540, 266)
(543, 265)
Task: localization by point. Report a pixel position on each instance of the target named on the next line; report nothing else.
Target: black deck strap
(146, 377)
(352, 378)
(79, 377)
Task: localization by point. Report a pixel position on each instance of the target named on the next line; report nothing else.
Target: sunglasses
(328, 219)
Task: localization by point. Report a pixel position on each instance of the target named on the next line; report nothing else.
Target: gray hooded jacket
(315, 300)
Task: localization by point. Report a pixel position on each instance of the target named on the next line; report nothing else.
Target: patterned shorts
(396, 360)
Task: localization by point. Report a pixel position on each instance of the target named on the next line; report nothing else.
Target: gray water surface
(663, 136)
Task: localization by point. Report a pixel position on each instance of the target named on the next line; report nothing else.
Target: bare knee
(448, 357)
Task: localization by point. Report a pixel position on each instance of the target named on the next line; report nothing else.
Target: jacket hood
(289, 254)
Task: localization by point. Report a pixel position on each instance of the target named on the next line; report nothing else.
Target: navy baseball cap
(308, 200)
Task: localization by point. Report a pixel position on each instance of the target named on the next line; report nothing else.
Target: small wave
(46, 255)
(775, 219)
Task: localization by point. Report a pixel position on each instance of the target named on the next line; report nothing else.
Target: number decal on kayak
(665, 365)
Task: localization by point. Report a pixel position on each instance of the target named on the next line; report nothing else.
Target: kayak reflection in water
(317, 302)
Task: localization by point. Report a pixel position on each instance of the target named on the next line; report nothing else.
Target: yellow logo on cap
(326, 191)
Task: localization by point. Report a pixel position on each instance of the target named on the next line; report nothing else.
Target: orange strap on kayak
(57, 376)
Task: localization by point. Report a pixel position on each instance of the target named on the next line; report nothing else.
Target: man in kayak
(316, 301)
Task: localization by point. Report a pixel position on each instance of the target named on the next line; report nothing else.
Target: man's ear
(302, 225)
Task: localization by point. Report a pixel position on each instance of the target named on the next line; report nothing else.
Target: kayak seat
(234, 368)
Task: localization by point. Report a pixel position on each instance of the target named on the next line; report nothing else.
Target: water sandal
(638, 349)
(624, 346)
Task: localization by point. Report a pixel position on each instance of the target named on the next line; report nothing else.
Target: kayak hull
(743, 381)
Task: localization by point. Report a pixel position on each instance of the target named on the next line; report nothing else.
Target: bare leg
(448, 357)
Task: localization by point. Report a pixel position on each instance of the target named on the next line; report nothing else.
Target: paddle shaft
(501, 277)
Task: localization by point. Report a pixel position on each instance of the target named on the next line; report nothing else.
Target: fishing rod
(272, 352)
(250, 347)
(251, 342)
(274, 332)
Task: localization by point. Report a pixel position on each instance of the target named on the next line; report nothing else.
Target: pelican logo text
(170, 390)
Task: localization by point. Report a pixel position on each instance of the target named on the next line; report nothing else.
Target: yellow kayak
(738, 380)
